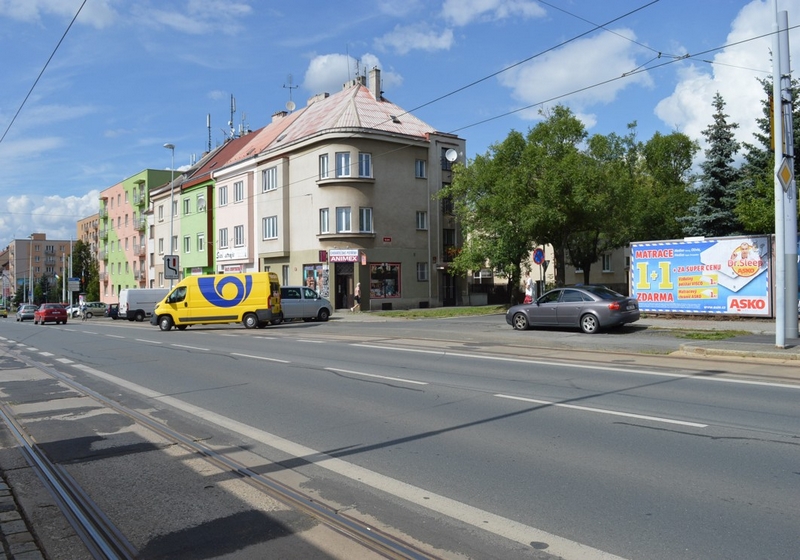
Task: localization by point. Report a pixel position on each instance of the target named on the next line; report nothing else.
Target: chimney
(375, 83)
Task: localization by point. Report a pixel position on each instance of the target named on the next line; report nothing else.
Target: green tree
(713, 214)
(755, 207)
(84, 266)
(487, 196)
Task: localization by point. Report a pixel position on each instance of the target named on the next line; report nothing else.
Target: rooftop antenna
(208, 126)
(230, 122)
(290, 106)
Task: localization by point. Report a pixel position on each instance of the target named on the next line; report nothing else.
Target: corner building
(340, 192)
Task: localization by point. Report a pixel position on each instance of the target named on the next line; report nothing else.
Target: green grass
(442, 312)
(710, 335)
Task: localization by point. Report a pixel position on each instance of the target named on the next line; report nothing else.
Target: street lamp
(30, 268)
(171, 147)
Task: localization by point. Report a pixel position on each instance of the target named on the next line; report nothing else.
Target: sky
(89, 101)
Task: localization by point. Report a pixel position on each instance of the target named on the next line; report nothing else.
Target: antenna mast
(208, 126)
(290, 104)
(230, 122)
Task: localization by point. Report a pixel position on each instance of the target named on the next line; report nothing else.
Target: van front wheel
(250, 321)
(165, 323)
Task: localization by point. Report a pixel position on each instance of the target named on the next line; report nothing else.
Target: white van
(135, 304)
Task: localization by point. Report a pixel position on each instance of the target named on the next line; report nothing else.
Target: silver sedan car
(588, 307)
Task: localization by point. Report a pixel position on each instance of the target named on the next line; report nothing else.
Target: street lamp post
(30, 268)
(171, 147)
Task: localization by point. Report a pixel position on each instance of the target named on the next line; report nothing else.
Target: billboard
(726, 275)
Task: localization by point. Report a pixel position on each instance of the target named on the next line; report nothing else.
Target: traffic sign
(538, 256)
(785, 174)
(171, 267)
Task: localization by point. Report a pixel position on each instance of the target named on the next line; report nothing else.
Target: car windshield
(602, 292)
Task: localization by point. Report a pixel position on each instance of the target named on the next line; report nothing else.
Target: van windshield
(178, 295)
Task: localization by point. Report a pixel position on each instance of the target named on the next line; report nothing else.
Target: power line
(42, 71)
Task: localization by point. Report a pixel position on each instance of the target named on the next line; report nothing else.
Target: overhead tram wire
(46, 64)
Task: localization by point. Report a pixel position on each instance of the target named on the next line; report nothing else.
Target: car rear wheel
(250, 321)
(323, 315)
(520, 322)
(165, 323)
(590, 324)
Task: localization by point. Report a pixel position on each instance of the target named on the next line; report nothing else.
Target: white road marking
(460, 511)
(260, 358)
(148, 341)
(687, 376)
(377, 376)
(189, 347)
(64, 360)
(311, 341)
(46, 354)
(605, 411)
(114, 336)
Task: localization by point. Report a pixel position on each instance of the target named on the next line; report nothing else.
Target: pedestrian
(83, 310)
(528, 289)
(357, 299)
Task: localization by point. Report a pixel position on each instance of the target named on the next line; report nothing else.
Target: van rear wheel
(250, 321)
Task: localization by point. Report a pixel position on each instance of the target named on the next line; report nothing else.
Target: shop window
(384, 280)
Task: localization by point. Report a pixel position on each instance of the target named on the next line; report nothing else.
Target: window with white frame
(201, 242)
(365, 220)
(201, 203)
(222, 195)
(269, 227)
(324, 220)
(269, 179)
(174, 208)
(420, 171)
(238, 236)
(324, 167)
(422, 272)
(160, 245)
(422, 220)
(343, 219)
(238, 191)
(222, 238)
(174, 244)
(607, 263)
(160, 278)
(342, 164)
(187, 244)
(364, 164)
(187, 206)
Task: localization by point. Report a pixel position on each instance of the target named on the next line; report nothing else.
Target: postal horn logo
(214, 291)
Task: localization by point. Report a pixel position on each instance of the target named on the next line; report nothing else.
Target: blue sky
(131, 76)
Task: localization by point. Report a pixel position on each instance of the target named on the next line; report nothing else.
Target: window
(238, 191)
(324, 220)
(419, 169)
(324, 169)
(160, 213)
(186, 208)
(187, 244)
(201, 203)
(174, 208)
(422, 272)
(342, 164)
(269, 179)
(201, 242)
(607, 263)
(343, 219)
(365, 220)
(447, 206)
(222, 238)
(422, 220)
(238, 236)
(364, 164)
(160, 245)
(174, 245)
(384, 280)
(223, 196)
(269, 227)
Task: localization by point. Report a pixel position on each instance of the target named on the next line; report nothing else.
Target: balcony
(103, 213)
(141, 223)
(141, 276)
(103, 276)
(103, 233)
(102, 255)
(139, 199)
(140, 251)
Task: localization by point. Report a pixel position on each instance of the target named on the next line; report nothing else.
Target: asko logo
(748, 305)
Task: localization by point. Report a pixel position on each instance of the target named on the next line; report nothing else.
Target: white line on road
(148, 341)
(259, 358)
(605, 411)
(114, 336)
(46, 354)
(189, 347)
(64, 360)
(377, 376)
(687, 376)
(484, 520)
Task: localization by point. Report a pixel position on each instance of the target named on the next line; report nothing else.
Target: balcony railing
(141, 276)
(140, 251)
(103, 276)
(141, 224)
(138, 199)
(103, 213)
(103, 233)
(103, 255)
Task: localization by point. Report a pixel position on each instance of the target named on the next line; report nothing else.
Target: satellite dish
(290, 105)
(451, 155)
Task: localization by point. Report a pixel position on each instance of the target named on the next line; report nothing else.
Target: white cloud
(420, 36)
(578, 65)
(733, 74)
(328, 72)
(98, 13)
(55, 215)
(200, 17)
(463, 12)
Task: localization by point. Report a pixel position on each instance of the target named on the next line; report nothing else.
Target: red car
(50, 312)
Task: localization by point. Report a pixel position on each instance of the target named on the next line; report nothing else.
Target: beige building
(34, 257)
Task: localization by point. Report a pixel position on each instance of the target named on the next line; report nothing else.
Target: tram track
(104, 540)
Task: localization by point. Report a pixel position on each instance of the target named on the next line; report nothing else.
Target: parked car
(50, 313)
(3, 312)
(112, 309)
(25, 311)
(301, 302)
(92, 308)
(591, 308)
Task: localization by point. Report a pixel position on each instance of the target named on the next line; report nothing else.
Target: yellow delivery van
(253, 298)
